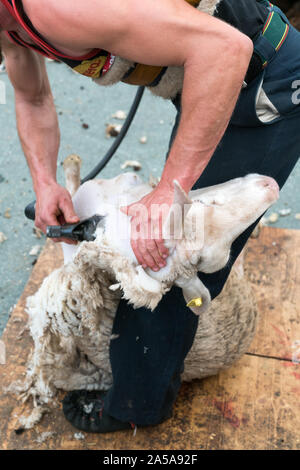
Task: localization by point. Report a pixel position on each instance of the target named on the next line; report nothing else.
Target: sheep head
(201, 227)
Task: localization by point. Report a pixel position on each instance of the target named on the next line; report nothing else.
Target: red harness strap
(94, 64)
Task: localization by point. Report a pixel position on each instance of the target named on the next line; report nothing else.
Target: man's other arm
(38, 130)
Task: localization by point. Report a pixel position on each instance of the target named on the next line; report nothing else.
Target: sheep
(71, 315)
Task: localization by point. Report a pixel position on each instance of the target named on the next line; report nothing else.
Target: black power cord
(110, 153)
(30, 209)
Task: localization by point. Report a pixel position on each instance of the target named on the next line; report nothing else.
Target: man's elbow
(225, 46)
(240, 47)
(37, 96)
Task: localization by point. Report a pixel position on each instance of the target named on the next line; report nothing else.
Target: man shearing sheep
(236, 64)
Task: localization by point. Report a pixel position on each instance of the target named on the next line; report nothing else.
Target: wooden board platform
(253, 405)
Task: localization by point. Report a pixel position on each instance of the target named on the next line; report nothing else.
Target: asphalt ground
(84, 110)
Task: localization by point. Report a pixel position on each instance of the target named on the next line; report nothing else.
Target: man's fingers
(61, 219)
(64, 240)
(42, 221)
(66, 206)
(138, 254)
(148, 254)
(163, 250)
(143, 255)
(153, 250)
(125, 209)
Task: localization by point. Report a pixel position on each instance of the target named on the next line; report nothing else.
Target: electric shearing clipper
(83, 230)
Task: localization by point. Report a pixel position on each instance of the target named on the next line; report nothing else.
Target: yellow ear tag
(195, 302)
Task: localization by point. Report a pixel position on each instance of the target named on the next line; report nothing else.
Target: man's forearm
(40, 137)
(209, 95)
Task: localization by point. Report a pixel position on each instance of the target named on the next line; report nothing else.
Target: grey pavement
(84, 109)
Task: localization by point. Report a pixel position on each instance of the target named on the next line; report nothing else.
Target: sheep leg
(239, 264)
(71, 167)
(257, 230)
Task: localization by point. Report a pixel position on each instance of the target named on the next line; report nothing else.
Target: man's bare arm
(38, 130)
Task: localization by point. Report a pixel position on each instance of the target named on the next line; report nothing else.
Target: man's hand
(54, 207)
(148, 216)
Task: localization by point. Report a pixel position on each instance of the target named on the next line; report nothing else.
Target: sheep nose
(270, 183)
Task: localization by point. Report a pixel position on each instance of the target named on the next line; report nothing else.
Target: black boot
(85, 411)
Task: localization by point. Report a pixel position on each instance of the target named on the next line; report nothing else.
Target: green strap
(275, 30)
(265, 2)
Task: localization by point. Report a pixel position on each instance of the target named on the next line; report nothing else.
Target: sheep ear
(173, 226)
(197, 296)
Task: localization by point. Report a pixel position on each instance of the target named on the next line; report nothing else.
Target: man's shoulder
(71, 24)
(58, 22)
(47, 13)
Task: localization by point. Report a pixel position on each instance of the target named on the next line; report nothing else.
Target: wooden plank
(273, 265)
(253, 405)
